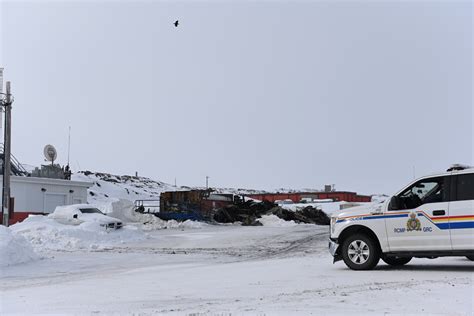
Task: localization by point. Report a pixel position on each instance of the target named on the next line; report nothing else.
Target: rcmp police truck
(431, 217)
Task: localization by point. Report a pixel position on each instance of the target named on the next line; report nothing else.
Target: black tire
(470, 257)
(360, 252)
(396, 261)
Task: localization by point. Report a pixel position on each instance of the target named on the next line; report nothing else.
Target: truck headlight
(333, 224)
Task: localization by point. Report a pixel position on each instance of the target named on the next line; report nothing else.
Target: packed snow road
(231, 270)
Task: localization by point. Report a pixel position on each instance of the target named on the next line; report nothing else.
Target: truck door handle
(376, 212)
(439, 212)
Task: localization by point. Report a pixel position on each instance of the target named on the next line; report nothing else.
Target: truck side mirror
(74, 216)
(395, 203)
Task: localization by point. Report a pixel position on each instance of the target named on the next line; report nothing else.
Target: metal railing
(147, 206)
(18, 168)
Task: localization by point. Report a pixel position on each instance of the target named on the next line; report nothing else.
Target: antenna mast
(69, 145)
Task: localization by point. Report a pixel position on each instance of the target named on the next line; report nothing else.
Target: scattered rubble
(248, 213)
(308, 215)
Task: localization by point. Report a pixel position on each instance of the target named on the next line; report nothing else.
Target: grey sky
(253, 94)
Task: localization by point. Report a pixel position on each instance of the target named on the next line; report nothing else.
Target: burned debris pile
(248, 213)
(307, 215)
(206, 205)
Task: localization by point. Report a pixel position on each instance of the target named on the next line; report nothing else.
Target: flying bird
(176, 23)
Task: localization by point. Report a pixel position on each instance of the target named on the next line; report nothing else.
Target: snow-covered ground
(223, 270)
(153, 266)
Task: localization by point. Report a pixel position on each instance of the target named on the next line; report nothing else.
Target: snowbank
(123, 210)
(151, 222)
(120, 209)
(46, 234)
(275, 221)
(14, 249)
(379, 198)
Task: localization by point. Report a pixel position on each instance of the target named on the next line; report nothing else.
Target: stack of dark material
(248, 213)
(308, 215)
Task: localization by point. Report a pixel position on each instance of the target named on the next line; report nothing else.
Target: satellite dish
(50, 153)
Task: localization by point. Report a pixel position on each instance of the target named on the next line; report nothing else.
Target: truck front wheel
(360, 252)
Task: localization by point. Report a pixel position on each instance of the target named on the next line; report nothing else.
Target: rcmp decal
(413, 223)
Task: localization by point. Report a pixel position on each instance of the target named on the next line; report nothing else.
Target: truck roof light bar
(458, 166)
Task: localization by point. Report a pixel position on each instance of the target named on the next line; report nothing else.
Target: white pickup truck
(431, 217)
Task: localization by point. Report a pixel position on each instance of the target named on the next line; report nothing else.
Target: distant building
(297, 197)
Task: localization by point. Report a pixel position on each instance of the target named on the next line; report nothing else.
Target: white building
(41, 195)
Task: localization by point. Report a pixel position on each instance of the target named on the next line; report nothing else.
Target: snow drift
(124, 210)
(46, 234)
(14, 248)
(275, 221)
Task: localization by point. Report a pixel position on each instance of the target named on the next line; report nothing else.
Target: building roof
(49, 181)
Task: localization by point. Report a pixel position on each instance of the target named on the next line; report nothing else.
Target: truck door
(461, 212)
(417, 218)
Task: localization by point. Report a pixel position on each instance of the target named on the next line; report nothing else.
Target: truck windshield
(90, 210)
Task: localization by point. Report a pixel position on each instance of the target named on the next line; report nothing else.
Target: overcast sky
(253, 94)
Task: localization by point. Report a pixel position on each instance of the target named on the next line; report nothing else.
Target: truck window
(465, 187)
(432, 190)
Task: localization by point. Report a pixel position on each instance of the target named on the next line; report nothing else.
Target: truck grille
(112, 225)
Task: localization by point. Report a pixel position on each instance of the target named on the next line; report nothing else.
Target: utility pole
(7, 105)
(207, 182)
(1, 95)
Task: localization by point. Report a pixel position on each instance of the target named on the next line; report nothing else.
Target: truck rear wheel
(396, 261)
(360, 252)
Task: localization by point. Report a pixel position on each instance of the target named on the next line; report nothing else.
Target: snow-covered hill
(107, 186)
(231, 190)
